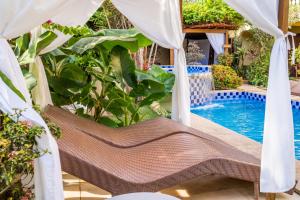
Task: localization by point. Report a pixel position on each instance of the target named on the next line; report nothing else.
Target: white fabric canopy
(160, 21)
(278, 153)
(217, 41)
(16, 18)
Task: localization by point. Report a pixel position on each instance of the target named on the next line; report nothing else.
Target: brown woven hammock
(150, 156)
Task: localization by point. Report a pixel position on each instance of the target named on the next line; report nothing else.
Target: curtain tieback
(292, 35)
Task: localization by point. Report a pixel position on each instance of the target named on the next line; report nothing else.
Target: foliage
(17, 152)
(254, 46)
(225, 77)
(297, 55)
(257, 72)
(262, 43)
(108, 17)
(225, 59)
(8, 82)
(67, 30)
(210, 11)
(260, 40)
(294, 14)
(97, 72)
(26, 48)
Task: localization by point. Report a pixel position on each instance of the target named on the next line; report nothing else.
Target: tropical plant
(26, 48)
(225, 77)
(98, 73)
(210, 11)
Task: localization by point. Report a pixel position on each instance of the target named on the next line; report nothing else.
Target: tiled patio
(207, 188)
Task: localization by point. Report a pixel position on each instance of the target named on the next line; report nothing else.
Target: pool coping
(235, 139)
(257, 90)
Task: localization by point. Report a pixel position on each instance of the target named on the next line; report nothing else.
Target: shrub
(225, 59)
(225, 77)
(257, 72)
(17, 153)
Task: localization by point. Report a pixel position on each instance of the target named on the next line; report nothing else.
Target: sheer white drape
(278, 156)
(160, 21)
(79, 14)
(16, 18)
(217, 41)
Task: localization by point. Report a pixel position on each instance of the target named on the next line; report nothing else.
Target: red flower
(49, 21)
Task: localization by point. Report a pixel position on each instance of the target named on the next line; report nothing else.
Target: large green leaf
(130, 39)
(34, 49)
(31, 81)
(152, 98)
(123, 64)
(87, 43)
(127, 33)
(60, 100)
(8, 82)
(63, 86)
(108, 122)
(22, 44)
(73, 72)
(156, 77)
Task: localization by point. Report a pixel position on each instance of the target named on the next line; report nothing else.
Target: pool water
(244, 116)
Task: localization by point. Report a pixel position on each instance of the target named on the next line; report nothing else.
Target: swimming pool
(243, 112)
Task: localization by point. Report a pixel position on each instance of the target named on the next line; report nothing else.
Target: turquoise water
(244, 116)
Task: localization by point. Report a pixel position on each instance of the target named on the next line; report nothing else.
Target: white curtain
(79, 14)
(16, 18)
(217, 41)
(160, 21)
(278, 153)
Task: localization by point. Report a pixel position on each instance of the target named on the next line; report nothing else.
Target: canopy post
(226, 45)
(283, 15)
(171, 56)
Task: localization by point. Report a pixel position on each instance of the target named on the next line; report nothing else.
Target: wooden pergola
(283, 14)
